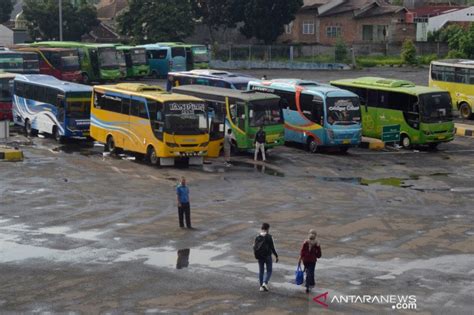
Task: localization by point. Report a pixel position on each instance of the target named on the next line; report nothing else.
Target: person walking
(260, 143)
(184, 208)
(263, 249)
(227, 146)
(309, 254)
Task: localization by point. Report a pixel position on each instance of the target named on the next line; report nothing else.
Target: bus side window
(372, 98)
(306, 105)
(202, 81)
(287, 99)
(318, 110)
(125, 106)
(60, 108)
(471, 76)
(461, 75)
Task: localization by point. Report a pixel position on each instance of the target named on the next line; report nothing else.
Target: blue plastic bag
(299, 275)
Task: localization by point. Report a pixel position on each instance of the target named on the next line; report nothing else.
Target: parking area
(85, 232)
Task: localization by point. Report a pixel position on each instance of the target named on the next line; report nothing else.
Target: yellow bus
(150, 122)
(457, 77)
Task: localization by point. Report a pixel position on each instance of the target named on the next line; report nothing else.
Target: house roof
(109, 9)
(360, 8)
(427, 11)
(312, 4)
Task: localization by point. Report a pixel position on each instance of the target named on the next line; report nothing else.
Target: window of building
(333, 31)
(368, 32)
(308, 27)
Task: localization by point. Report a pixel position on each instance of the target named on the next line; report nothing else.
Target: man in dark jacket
(263, 250)
(260, 143)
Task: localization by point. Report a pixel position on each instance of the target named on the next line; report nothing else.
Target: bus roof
(464, 63)
(32, 49)
(17, 52)
(70, 44)
(7, 75)
(144, 90)
(50, 81)
(309, 87)
(215, 74)
(387, 85)
(125, 47)
(241, 95)
(180, 44)
(153, 46)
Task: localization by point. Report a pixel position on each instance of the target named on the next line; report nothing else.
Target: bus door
(94, 59)
(125, 110)
(61, 112)
(371, 114)
(189, 59)
(312, 108)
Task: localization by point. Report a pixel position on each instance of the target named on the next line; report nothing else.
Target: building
(354, 21)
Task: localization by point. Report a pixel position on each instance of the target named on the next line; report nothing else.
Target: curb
(371, 144)
(12, 155)
(464, 130)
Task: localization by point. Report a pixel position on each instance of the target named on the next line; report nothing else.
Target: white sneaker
(262, 289)
(265, 286)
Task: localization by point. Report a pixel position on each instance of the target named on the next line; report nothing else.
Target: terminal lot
(86, 232)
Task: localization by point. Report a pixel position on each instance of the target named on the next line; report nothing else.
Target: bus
(423, 113)
(150, 122)
(21, 62)
(6, 86)
(136, 64)
(99, 62)
(44, 104)
(164, 59)
(197, 56)
(61, 63)
(215, 78)
(457, 77)
(241, 111)
(316, 115)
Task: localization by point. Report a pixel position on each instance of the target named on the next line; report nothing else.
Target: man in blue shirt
(182, 193)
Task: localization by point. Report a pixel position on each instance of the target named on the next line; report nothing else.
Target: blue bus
(42, 103)
(316, 115)
(164, 59)
(216, 78)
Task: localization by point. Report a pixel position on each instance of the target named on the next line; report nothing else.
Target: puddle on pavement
(209, 255)
(240, 166)
(84, 149)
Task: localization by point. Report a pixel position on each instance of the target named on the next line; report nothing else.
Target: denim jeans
(261, 264)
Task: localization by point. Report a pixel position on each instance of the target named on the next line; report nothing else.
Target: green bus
(99, 62)
(241, 111)
(423, 113)
(135, 61)
(197, 56)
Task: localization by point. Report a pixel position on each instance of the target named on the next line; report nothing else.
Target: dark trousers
(310, 274)
(185, 210)
(262, 277)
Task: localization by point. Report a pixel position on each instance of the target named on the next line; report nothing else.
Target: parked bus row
(91, 62)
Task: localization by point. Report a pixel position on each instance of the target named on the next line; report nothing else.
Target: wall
(6, 36)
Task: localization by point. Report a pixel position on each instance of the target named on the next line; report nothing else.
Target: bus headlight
(172, 145)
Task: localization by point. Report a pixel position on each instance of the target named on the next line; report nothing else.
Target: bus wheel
(465, 110)
(405, 142)
(312, 145)
(110, 144)
(29, 131)
(151, 156)
(57, 135)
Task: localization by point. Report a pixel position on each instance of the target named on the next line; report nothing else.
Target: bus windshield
(5, 90)
(200, 54)
(70, 61)
(108, 58)
(186, 118)
(343, 110)
(263, 113)
(78, 109)
(436, 107)
(240, 86)
(138, 57)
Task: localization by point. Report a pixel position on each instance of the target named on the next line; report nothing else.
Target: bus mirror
(250, 113)
(221, 128)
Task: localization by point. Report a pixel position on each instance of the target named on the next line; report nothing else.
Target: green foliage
(408, 53)
(43, 21)
(340, 51)
(373, 61)
(426, 59)
(216, 14)
(6, 8)
(149, 21)
(265, 19)
(455, 54)
(460, 41)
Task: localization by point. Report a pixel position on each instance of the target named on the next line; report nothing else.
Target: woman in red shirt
(309, 254)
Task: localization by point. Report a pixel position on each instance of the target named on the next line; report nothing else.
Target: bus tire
(343, 149)
(110, 146)
(151, 156)
(56, 135)
(85, 78)
(29, 131)
(312, 145)
(405, 141)
(465, 110)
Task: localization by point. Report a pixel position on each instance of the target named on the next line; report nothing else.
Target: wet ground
(86, 232)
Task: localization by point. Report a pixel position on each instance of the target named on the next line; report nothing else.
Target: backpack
(261, 249)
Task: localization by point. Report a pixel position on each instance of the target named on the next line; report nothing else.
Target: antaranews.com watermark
(396, 302)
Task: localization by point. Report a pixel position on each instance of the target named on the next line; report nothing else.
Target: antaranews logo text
(397, 302)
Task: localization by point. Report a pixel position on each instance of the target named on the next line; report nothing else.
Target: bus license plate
(346, 141)
(441, 137)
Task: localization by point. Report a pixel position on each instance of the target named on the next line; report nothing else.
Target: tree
(6, 8)
(43, 20)
(216, 14)
(155, 21)
(340, 51)
(408, 53)
(265, 19)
